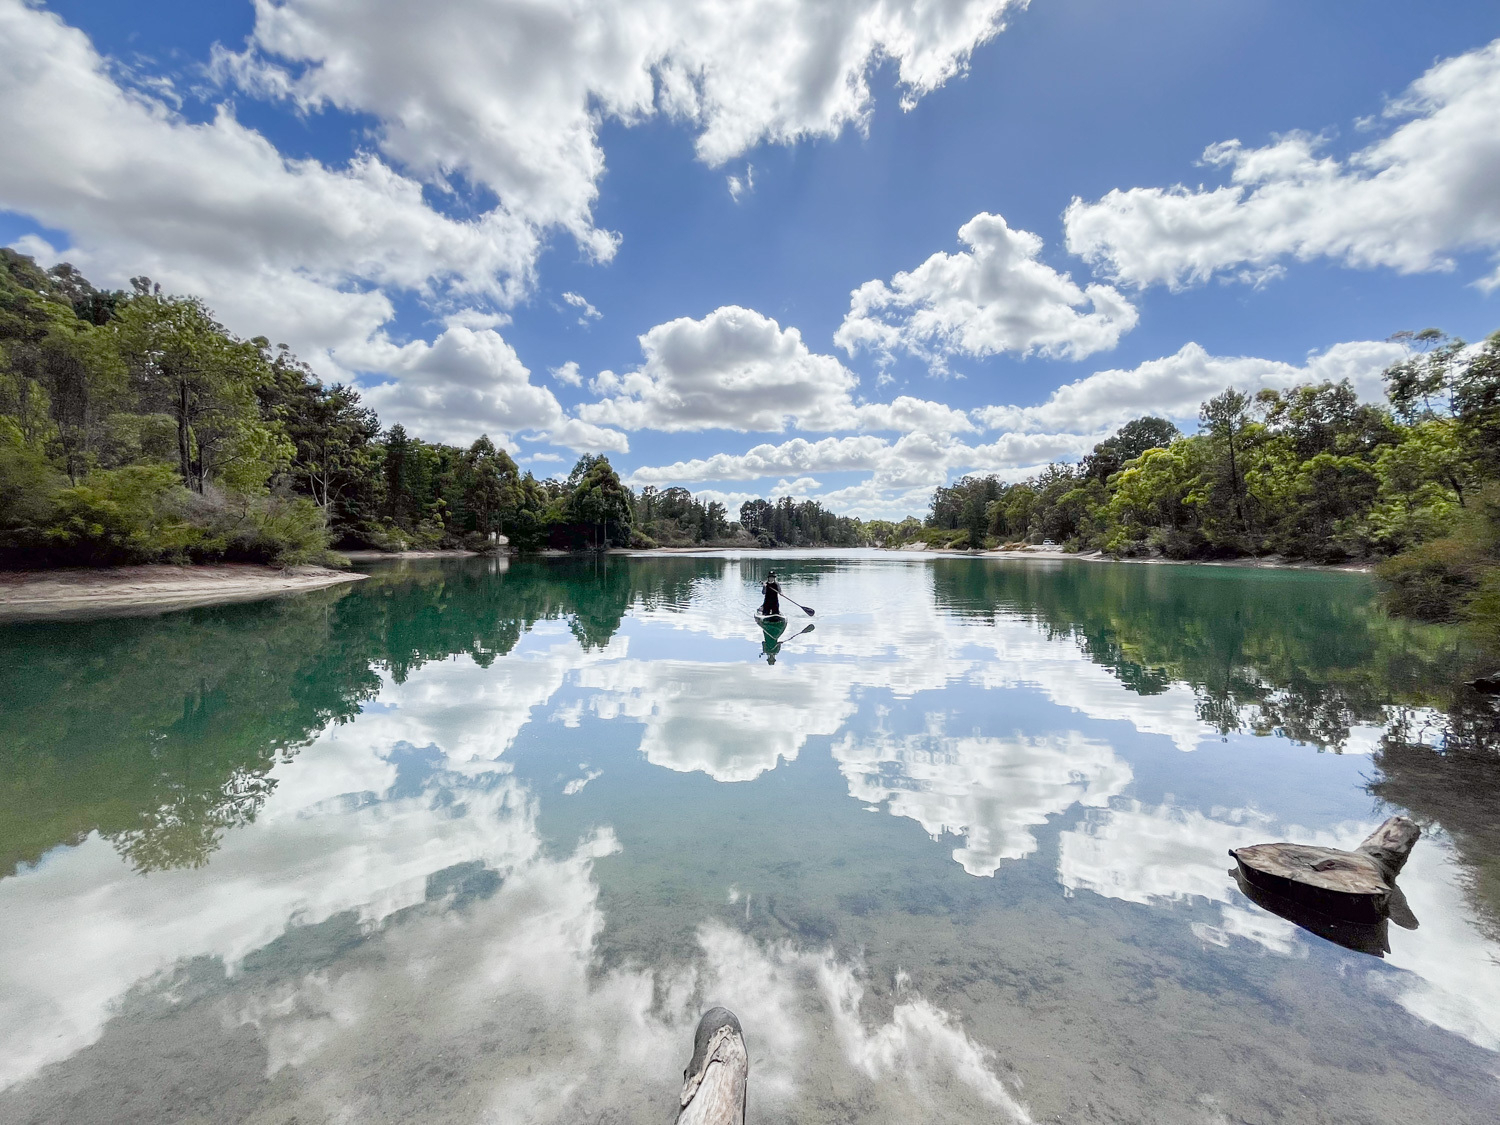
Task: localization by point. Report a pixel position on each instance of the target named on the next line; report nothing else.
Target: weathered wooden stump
(716, 1080)
(1355, 886)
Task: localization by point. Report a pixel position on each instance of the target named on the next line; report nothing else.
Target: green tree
(184, 363)
(1225, 418)
(598, 498)
(974, 518)
(491, 488)
(1127, 443)
(332, 436)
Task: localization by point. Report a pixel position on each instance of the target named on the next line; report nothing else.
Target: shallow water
(477, 842)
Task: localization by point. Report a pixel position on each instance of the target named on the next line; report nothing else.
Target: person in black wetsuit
(771, 606)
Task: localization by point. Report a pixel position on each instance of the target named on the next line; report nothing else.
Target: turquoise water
(471, 841)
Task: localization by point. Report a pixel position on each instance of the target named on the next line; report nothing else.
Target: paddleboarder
(771, 588)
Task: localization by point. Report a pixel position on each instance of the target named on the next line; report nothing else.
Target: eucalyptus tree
(332, 436)
(598, 498)
(184, 363)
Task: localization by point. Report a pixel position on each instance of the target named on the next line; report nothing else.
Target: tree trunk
(1234, 481)
(184, 443)
(717, 1078)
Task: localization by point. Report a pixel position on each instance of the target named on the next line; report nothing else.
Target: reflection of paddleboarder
(771, 606)
(771, 629)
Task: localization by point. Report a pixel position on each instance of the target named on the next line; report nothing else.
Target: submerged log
(1353, 885)
(1489, 684)
(716, 1080)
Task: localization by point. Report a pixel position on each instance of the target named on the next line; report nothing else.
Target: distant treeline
(1307, 473)
(134, 427)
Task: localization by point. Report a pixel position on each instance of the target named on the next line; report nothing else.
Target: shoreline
(1267, 562)
(377, 556)
(75, 593)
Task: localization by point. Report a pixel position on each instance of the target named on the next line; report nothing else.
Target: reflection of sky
(81, 927)
(992, 791)
(1141, 855)
(984, 730)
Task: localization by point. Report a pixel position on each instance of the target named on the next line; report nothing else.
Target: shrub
(1450, 579)
(28, 496)
(124, 515)
(1433, 582)
(274, 529)
(288, 531)
(1484, 609)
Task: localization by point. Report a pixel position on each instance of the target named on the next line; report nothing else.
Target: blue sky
(409, 200)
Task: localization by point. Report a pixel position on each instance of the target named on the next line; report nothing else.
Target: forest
(134, 427)
(1307, 473)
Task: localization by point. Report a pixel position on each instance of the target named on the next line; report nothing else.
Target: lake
(477, 840)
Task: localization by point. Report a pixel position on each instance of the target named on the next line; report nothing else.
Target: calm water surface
(473, 842)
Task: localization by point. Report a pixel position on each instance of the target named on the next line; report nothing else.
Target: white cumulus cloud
(902, 473)
(296, 249)
(293, 248)
(738, 369)
(586, 311)
(1174, 386)
(468, 381)
(504, 97)
(1410, 201)
(734, 369)
(996, 296)
(931, 449)
(511, 93)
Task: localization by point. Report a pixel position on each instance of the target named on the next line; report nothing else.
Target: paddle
(803, 608)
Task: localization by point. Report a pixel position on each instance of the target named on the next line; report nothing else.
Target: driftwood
(1357, 886)
(1489, 684)
(1361, 936)
(716, 1080)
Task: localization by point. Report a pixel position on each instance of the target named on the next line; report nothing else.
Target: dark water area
(476, 841)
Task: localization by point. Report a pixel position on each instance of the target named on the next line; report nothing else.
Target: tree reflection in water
(1308, 656)
(160, 732)
(1444, 766)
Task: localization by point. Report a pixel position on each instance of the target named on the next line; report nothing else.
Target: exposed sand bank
(1265, 562)
(377, 556)
(40, 595)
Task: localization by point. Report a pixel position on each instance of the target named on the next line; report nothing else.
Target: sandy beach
(39, 595)
(1263, 562)
(381, 556)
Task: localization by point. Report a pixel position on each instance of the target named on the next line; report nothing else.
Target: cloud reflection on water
(81, 927)
(1148, 856)
(992, 791)
(498, 1005)
(731, 721)
(492, 1007)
